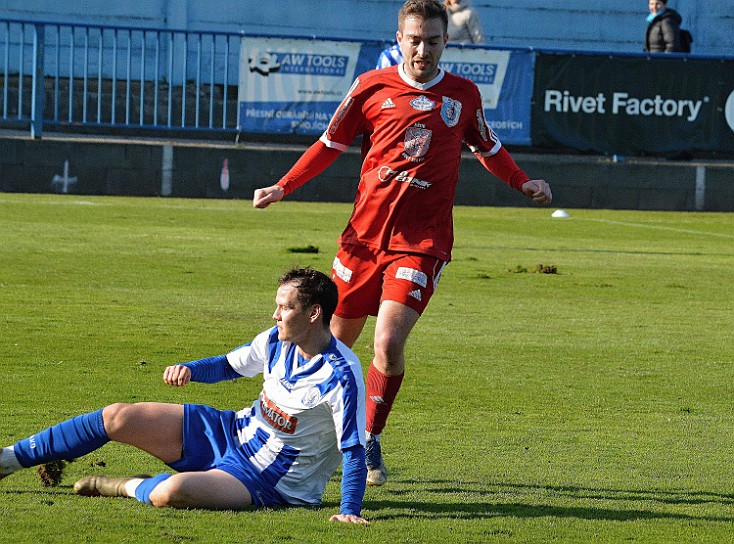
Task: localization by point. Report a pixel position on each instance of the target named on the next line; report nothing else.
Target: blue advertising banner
(293, 86)
(505, 79)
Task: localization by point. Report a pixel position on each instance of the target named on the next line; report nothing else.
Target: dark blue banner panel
(633, 105)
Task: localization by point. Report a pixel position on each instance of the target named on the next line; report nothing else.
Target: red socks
(381, 393)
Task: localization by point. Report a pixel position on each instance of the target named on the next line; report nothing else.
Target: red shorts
(365, 277)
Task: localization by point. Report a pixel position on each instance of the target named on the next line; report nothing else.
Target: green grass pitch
(592, 404)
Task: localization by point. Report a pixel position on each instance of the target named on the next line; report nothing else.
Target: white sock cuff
(8, 461)
(131, 486)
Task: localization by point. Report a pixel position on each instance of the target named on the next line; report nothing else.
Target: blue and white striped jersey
(390, 57)
(307, 412)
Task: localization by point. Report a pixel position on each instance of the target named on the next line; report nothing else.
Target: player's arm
(209, 370)
(314, 161)
(354, 483)
(502, 165)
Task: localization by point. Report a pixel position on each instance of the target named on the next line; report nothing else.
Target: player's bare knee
(164, 494)
(115, 417)
(170, 493)
(160, 496)
(389, 347)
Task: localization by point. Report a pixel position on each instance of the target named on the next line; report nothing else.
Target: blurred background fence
(101, 76)
(108, 81)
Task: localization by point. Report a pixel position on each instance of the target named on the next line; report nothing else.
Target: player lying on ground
(281, 451)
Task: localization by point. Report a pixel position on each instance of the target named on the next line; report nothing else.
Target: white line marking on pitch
(658, 227)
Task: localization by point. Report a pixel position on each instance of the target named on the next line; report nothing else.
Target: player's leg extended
(152, 427)
(211, 490)
(67, 440)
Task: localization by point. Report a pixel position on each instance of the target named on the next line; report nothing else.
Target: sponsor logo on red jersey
(422, 103)
(385, 174)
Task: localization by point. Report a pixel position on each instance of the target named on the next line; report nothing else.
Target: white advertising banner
(293, 86)
(485, 67)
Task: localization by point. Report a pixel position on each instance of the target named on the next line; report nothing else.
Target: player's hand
(177, 375)
(538, 191)
(266, 196)
(349, 518)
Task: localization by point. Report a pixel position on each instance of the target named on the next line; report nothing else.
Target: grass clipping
(539, 269)
(51, 473)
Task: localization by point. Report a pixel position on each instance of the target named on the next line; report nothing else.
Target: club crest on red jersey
(450, 111)
(416, 143)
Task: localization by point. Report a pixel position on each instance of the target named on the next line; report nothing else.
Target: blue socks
(142, 492)
(65, 441)
(71, 439)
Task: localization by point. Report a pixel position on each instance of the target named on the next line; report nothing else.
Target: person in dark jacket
(663, 29)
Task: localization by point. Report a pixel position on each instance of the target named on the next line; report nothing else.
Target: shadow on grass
(469, 503)
(59, 490)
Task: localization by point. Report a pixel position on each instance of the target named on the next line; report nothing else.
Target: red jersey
(413, 135)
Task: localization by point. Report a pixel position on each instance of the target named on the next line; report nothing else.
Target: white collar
(420, 86)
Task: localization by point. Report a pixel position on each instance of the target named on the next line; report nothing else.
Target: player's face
(422, 42)
(294, 321)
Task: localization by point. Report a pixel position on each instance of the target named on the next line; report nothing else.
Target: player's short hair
(314, 287)
(423, 9)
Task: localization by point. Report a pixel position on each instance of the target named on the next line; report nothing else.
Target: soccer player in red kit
(414, 119)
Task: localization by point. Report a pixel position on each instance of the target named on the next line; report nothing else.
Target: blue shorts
(210, 441)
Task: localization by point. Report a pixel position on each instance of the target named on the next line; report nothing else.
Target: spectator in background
(390, 57)
(664, 35)
(464, 23)
(663, 29)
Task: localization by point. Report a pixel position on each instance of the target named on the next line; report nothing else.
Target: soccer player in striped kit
(280, 451)
(414, 119)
